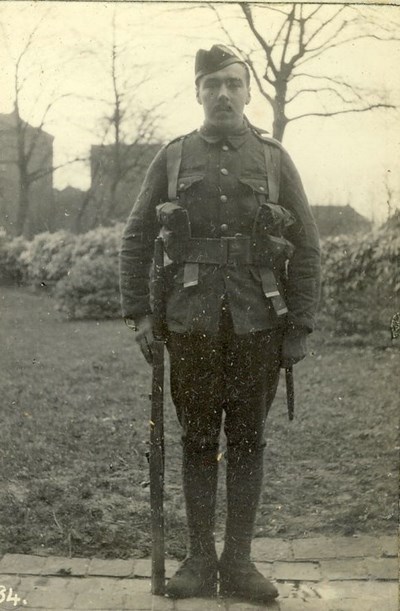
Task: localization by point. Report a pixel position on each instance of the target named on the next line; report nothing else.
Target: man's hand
(144, 337)
(294, 348)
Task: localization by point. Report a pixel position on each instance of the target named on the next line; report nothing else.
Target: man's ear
(248, 96)
(198, 96)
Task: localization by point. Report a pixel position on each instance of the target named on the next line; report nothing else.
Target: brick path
(321, 574)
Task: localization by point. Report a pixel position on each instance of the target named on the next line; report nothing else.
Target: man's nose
(223, 92)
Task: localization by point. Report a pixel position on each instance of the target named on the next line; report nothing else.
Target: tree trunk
(280, 119)
(23, 206)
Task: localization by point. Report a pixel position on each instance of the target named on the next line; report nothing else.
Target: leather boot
(238, 576)
(241, 579)
(196, 577)
(198, 574)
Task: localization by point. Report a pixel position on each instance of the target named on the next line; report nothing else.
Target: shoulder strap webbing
(174, 158)
(272, 156)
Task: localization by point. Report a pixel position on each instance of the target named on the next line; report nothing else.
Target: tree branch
(319, 90)
(340, 112)
(265, 46)
(324, 24)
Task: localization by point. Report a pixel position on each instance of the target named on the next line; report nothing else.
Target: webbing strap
(271, 290)
(174, 158)
(272, 156)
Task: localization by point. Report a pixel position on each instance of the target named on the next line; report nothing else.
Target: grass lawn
(75, 410)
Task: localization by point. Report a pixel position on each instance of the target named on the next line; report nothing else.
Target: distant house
(339, 220)
(39, 217)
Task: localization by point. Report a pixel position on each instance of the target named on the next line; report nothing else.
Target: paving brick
(200, 604)
(111, 568)
(266, 568)
(9, 585)
(389, 546)
(55, 565)
(338, 590)
(160, 603)
(298, 605)
(353, 604)
(22, 564)
(244, 606)
(269, 550)
(46, 592)
(298, 571)
(10, 581)
(344, 569)
(353, 547)
(171, 566)
(383, 568)
(141, 601)
(142, 568)
(100, 594)
(314, 548)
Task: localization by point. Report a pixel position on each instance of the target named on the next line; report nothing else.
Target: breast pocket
(185, 184)
(257, 184)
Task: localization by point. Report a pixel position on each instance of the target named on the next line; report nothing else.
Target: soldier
(242, 289)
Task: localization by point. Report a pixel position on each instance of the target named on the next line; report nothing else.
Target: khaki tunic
(221, 181)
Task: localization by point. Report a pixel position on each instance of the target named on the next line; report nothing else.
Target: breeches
(235, 374)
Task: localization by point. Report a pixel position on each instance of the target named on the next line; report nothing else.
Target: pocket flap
(184, 182)
(258, 184)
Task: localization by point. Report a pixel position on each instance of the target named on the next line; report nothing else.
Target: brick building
(39, 215)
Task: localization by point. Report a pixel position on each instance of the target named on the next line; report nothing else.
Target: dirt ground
(74, 434)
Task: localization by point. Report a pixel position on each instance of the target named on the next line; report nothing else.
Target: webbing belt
(220, 251)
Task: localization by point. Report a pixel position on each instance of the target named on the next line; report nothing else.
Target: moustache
(223, 107)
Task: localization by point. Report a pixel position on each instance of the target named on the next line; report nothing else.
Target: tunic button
(224, 227)
(223, 199)
(262, 189)
(225, 147)
(224, 171)
(181, 186)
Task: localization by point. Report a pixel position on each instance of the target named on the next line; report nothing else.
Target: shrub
(91, 289)
(12, 268)
(361, 281)
(48, 257)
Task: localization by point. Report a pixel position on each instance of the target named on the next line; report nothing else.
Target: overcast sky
(342, 160)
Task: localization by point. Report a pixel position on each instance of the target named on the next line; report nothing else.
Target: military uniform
(221, 182)
(223, 333)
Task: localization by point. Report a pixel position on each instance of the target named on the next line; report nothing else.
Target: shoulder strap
(174, 158)
(272, 156)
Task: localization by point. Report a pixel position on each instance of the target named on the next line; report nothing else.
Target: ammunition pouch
(175, 229)
(263, 249)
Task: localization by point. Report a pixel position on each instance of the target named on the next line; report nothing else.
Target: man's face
(223, 95)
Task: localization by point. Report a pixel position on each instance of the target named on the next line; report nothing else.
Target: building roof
(337, 220)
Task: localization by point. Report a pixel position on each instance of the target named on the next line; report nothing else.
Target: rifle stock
(157, 428)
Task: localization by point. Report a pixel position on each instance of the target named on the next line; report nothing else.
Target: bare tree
(129, 128)
(29, 148)
(290, 51)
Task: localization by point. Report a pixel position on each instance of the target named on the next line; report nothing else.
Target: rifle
(156, 458)
(290, 391)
